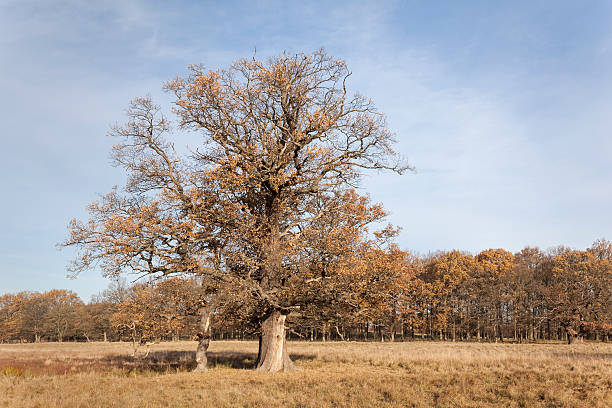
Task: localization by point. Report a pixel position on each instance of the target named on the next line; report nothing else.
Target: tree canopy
(283, 144)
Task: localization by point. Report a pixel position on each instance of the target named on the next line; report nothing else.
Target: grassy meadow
(412, 374)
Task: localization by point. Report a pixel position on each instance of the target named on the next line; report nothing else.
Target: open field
(330, 374)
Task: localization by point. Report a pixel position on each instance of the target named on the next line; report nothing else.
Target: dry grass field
(415, 374)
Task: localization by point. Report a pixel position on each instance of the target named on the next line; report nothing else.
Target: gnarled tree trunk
(203, 339)
(273, 356)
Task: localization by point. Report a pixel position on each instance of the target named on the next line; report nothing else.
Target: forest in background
(389, 295)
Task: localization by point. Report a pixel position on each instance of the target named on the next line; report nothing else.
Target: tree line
(529, 296)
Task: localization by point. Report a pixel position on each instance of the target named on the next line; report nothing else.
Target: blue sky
(504, 108)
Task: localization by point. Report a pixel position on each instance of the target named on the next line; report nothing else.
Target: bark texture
(273, 356)
(203, 339)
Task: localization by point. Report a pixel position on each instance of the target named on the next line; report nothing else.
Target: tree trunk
(259, 350)
(339, 334)
(273, 356)
(203, 339)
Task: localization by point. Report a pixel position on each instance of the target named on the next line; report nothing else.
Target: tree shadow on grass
(244, 360)
(578, 355)
(156, 361)
(173, 361)
(160, 362)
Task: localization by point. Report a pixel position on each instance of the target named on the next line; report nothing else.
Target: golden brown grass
(416, 374)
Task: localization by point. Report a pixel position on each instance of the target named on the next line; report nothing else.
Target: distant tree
(445, 276)
(581, 289)
(601, 250)
(378, 280)
(94, 320)
(527, 293)
(10, 319)
(33, 308)
(155, 311)
(116, 292)
(138, 317)
(326, 283)
(61, 317)
(277, 137)
(179, 300)
(494, 269)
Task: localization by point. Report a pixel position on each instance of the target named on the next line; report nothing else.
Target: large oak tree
(282, 141)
